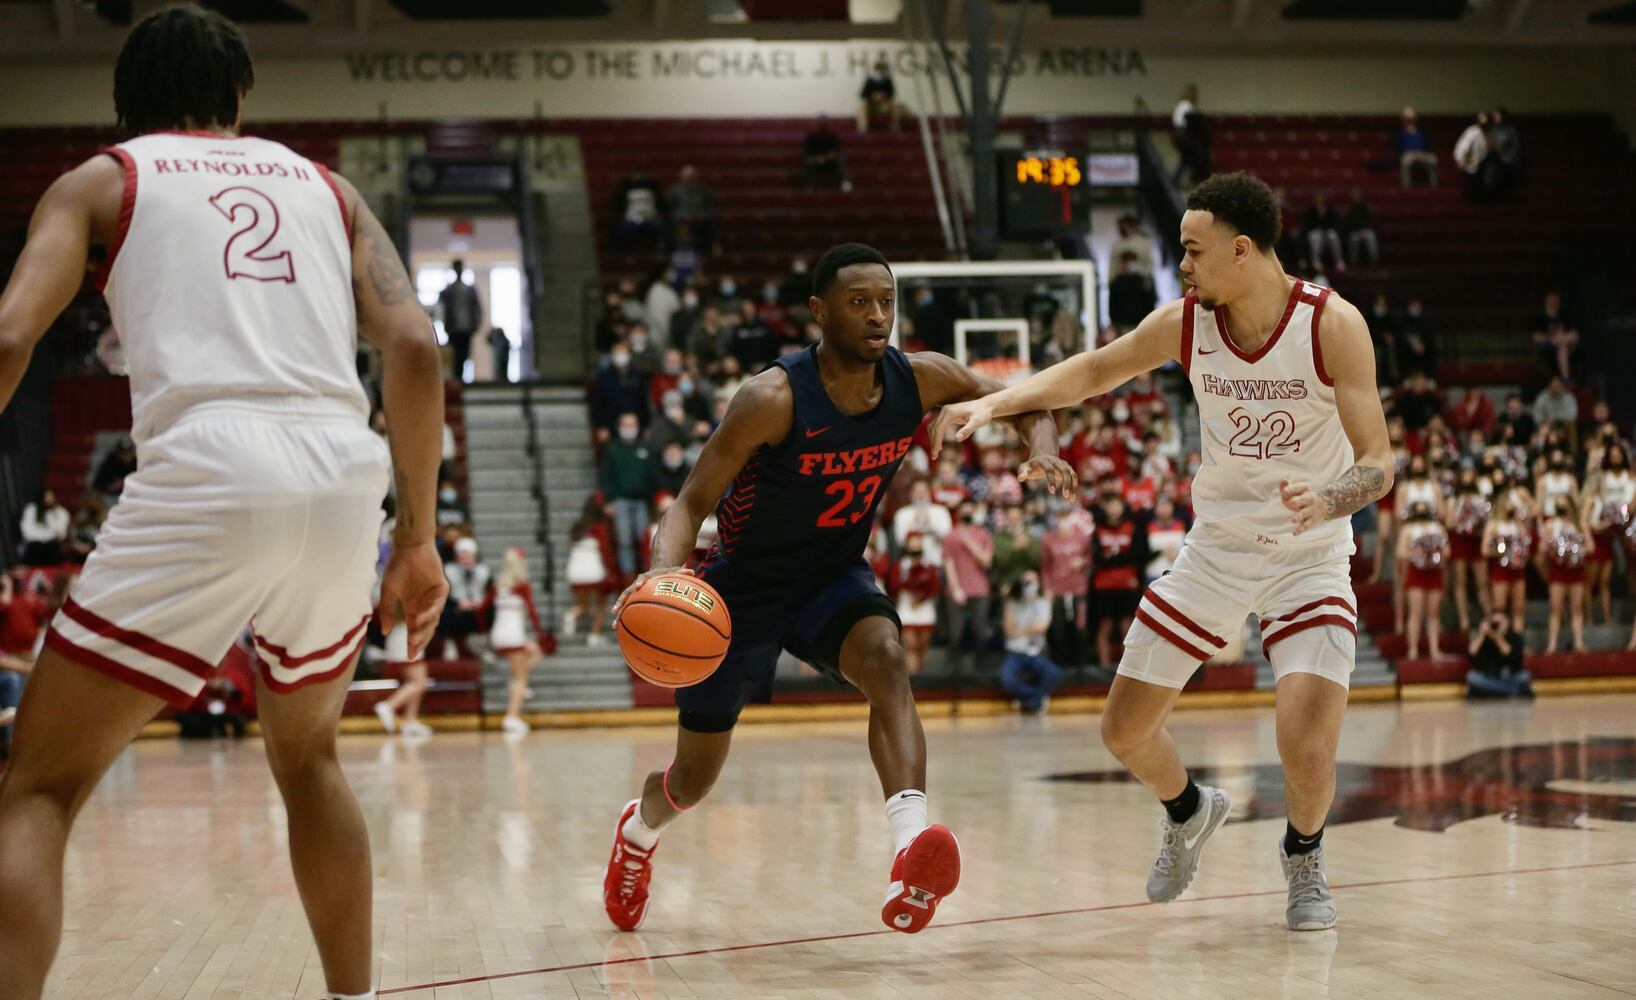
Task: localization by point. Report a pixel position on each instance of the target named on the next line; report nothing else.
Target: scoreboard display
(1043, 193)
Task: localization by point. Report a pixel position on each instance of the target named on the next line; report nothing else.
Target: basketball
(674, 630)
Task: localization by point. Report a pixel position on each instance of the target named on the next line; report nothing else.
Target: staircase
(505, 515)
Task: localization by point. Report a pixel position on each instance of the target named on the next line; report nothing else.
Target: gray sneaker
(1311, 906)
(1178, 859)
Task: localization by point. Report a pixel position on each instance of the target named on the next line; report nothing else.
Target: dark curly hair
(844, 255)
(1243, 202)
(181, 67)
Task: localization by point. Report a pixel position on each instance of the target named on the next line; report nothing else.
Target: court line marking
(725, 949)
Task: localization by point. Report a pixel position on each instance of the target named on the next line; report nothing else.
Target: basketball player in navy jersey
(239, 275)
(794, 473)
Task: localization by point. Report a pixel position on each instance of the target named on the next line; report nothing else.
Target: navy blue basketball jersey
(806, 505)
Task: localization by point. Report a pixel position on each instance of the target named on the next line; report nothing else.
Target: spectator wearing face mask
(701, 434)
(1028, 674)
(450, 509)
(1016, 549)
(918, 584)
(968, 552)
(726, 297)
(628, 484)
(670, 469)
(468, 586)
(1064, 564)
(671, 425)
(1118, 553)
(684, 318)
(751, 341)
(920, 516)
(618, 388)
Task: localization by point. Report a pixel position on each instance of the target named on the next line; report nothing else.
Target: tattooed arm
(1349, 358)
(390, 317)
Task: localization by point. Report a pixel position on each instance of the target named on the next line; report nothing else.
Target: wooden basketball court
(1476, 850)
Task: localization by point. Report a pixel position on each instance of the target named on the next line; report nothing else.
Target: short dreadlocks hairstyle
(844, 255)
(181, 67)
(1242, 202)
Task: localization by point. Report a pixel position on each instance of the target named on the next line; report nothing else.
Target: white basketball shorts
(1303, 597)
(265, 513)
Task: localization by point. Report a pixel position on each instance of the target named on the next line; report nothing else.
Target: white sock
(906, 812)
(353, 996)
(638, 832)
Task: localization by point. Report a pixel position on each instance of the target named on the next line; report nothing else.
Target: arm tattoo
(1357, 488)
(405, 503)
(386, 272)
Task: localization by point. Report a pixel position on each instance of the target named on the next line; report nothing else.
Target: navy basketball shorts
(809, 617)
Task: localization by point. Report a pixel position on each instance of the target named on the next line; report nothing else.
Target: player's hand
(1059, 476)
(619, 605)
(412, 591)
(1309, 508)
(963, 419)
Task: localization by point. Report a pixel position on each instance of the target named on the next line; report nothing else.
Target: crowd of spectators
(1492, 501)
(1488, 153)
(971, 557)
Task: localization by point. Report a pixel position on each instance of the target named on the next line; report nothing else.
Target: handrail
(1164, 202)
(542, 503)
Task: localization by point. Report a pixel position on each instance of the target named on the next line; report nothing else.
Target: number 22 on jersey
(249, 253)
(1263, 437)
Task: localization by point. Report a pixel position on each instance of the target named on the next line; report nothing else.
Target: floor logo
(1545, 784)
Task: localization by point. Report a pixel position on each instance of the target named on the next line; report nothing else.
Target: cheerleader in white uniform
(512, 601)
(1607, 508)
(589, 540)
(1423, 549)
(1468, 512)
(1564, 545)
(1418, 485)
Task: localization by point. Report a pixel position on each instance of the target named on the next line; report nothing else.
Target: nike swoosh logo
(1188, 842)
(813, 434)
(1213, 350)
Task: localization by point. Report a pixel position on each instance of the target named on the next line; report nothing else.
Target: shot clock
(1043, 193)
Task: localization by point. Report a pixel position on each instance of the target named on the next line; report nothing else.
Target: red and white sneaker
(625, 880)
(923, 873)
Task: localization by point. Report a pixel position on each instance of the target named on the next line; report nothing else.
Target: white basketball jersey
(1264, 417)
(230, 278)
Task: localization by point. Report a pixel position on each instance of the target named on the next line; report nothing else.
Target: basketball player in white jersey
(238, 275)
(1294, 442)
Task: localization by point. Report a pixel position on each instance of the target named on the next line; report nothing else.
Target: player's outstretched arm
(80, 207)
(1155, 340)
(390, 317)
(1349, 358)
(760, 414)
(945, 382)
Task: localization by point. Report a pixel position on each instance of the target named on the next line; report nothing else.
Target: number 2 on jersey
(1255, 437)
(247, 254)
(836, 516)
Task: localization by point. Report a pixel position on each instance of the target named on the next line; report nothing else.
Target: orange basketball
(674, 630)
